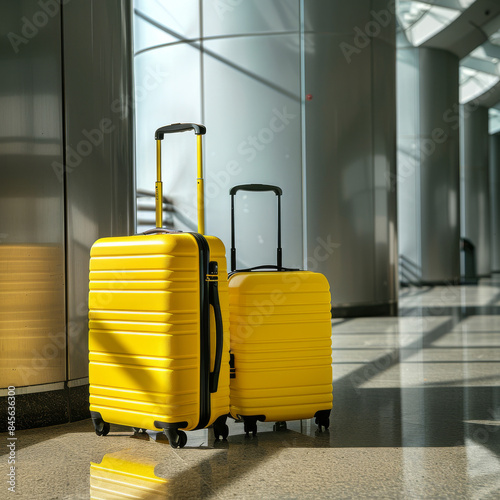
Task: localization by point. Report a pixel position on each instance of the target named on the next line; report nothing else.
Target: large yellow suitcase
(158, 318)
(280, 331)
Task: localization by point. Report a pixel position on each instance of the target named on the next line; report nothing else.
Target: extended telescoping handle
(256, 188)
(199, 130)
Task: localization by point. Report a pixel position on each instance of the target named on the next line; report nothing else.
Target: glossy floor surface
(416, 415)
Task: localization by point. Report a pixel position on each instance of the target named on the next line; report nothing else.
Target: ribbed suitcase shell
(280, 330)
(144, 338)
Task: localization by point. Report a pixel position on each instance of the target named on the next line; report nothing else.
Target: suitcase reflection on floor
(122, 475)
(153, 473)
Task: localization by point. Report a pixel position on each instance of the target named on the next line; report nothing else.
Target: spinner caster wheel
(221, 431)
(322, 420)
(101, 427)
(250, 426)
(176, 438)
(279, 426)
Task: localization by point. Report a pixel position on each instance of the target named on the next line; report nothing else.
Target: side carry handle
(213, 299)
(199, 131)
(256, 188)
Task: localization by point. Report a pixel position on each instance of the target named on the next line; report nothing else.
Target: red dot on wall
(309, 97)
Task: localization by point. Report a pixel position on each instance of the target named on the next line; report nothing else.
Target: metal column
(495, 201)
(475, 188)
(428, 166)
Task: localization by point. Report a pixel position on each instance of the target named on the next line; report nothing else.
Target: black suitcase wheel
(325, 423)
(221, 431)
(181, 442)
(176, 438)
(279, 426)
(220, 428)
(101, 427)
(250, 425)
(322, 419)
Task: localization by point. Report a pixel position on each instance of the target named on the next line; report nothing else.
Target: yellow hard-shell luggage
(158, 318)
(280, 331)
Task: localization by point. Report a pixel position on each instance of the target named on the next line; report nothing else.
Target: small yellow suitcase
(280, 331)
(158, 325)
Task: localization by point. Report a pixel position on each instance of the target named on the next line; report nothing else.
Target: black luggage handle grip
(256, 188)
(264, 267)
(179, 127)
(213, 299)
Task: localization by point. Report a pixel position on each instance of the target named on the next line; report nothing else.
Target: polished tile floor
(416, 415)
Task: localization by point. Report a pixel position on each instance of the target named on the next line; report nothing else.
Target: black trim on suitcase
(213, 298)
(170, 425)
(209, 296)
(204, 332)
(232, 369)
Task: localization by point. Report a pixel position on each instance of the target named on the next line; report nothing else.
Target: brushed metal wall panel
(495, 201)
(382, 21)
(340, 194)
(438, 91)
(99, 146)
(384, 168)
(439, 213)
(428, 166)
(439, 164)
(476, 185)
(252, 115)
(342, 18)
(32, 326)
(32, 330)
